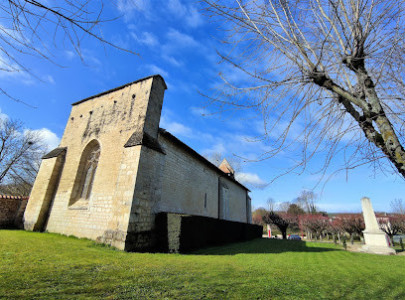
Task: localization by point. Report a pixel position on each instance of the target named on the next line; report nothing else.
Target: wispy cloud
(3, 116)
(157, 70)
(217, 148)
(200, 111)
(49, 79)
(128, 8)
(178, 39)
(173, 61)
(146, 38)
(49, 138)
(250, 179)
(188, 13)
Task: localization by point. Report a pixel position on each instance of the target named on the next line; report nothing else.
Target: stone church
(115, 170)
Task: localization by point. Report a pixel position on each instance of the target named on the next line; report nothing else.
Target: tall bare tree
(307, 201)
(327, 76)
(20, 154)
(398, 206)
(35, 28)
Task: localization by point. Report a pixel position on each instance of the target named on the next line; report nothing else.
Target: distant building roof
(226, 168)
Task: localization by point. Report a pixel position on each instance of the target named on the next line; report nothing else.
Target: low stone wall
(185, 233)
(12, 211)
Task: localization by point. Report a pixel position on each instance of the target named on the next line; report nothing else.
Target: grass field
(50, 266)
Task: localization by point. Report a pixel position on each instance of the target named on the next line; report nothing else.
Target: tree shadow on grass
(265, 246)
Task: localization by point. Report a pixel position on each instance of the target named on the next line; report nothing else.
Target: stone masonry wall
(11, 211)
(110, 118)
(190, 187)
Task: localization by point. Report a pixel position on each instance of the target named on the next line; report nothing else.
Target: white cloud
(180, 39)
(49, 138)
(188, 13)
(250, 179)
(69, 54)
(3, 116)
(146, 38)
(176, 7)
(200, 111)
(194, 18)
(128, 8)
(156, 70)
(176, 128)
(172, 60)
(49, 79)
(217, 148)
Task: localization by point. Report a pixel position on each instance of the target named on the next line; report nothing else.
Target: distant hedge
(185, 233)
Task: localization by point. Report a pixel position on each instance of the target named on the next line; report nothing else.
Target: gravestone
(376, 241)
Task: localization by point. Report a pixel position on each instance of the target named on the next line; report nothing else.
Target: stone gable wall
(110, 118)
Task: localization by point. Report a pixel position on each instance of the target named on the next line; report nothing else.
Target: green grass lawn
(41, 266)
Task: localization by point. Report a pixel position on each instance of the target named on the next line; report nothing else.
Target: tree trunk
(383, 135)
(284, 233)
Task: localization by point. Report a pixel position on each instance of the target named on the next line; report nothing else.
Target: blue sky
(176, 40)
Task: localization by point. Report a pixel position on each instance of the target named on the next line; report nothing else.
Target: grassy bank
(35, 265)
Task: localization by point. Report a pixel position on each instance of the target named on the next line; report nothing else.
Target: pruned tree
(335, 227)
(20, 154)
(392, 225)
(315, 224)
(327, 75)
(281, 220)
(353, 224)
(35, 28)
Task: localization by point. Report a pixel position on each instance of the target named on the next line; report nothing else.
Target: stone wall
(12, 210)
(192, 185)
(141, 171)
(111, 118)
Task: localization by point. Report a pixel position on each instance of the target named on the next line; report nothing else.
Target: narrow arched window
(89, 172)
(86, 173)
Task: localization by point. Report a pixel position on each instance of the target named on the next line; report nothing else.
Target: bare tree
(20, 154)
(35, 28)
(271, 204)
(306, 200)
(398, 206)
(327, 76)
(352, 224)
(392, 225)
(316, 224)
(281, 220)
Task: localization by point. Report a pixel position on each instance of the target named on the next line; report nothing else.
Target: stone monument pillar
(374, 238)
